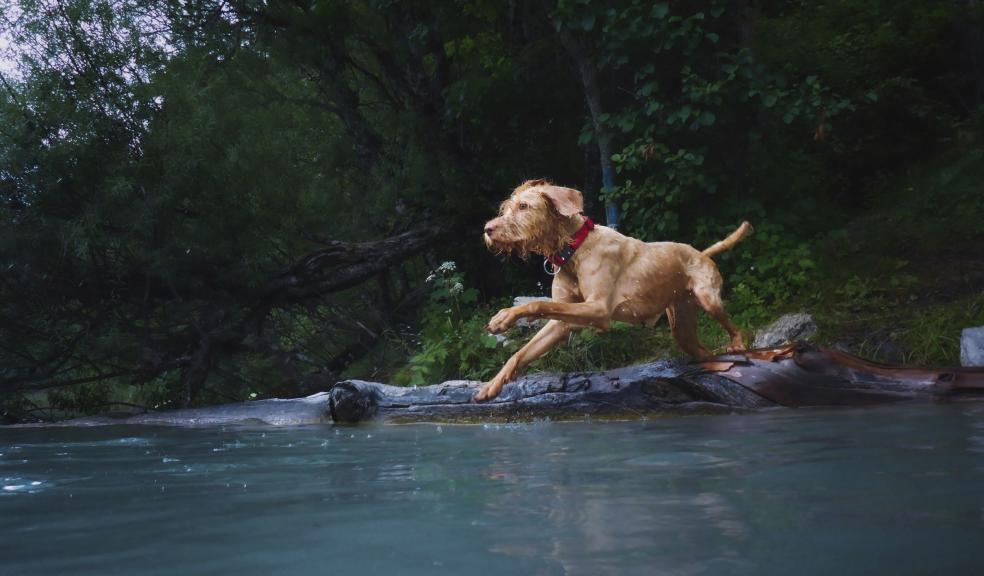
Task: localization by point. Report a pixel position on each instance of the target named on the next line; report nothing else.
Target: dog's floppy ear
(566, 201)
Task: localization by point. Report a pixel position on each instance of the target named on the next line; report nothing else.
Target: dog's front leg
(595, 314)
(504, 319)
(549, 336)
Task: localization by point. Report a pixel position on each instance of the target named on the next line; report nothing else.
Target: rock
(788, 328)
(533, 323)
(972, 346)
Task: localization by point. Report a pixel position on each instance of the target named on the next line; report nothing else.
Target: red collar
(561, 257)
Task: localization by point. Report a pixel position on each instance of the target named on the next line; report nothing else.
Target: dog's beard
(537, 238)
(506, 247)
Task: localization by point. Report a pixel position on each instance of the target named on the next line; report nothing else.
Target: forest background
(207, 201)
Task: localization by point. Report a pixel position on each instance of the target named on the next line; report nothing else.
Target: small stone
(788, 328)
(972, 346)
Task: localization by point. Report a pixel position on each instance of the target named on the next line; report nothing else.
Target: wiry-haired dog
(601, 276)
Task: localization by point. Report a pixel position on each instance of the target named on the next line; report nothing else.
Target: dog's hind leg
(682, 316)
(707, 290)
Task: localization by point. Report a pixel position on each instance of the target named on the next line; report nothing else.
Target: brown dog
(608, 277)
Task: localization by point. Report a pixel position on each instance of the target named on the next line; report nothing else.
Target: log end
(353, 401)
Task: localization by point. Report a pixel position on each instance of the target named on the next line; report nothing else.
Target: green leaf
(769, 100)
(659, 10)
(626, 123)
(713, 37)
(469, 296)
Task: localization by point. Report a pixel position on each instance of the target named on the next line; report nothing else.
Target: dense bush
(174, 176)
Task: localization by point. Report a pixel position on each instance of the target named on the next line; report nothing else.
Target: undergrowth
(896, 283)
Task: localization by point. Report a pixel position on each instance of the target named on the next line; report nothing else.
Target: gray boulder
(972, 346)
(788, 328)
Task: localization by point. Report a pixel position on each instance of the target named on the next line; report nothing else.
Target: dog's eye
(523, 205)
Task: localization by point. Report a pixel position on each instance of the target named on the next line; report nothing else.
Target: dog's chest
(566, 287)
(637, 312)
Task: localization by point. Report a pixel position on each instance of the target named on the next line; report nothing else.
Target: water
(878, 491)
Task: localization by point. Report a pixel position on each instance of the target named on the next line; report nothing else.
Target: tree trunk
(592, 97)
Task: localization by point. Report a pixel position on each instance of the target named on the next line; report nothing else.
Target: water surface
(896, 490)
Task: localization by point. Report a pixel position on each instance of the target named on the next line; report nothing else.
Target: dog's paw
(502, 321)
(487, 392)
(737, 344)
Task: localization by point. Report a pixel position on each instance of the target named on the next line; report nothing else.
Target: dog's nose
(489, 229)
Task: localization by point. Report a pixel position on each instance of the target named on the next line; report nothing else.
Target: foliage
(453, 341)
(175, 176)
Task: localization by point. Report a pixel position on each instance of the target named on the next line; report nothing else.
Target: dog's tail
(728, 243)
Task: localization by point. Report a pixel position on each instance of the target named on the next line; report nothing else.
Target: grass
(900, 281)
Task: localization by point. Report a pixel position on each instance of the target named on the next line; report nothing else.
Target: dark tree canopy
(210, 199)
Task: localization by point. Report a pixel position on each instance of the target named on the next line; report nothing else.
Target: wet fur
(610, 277)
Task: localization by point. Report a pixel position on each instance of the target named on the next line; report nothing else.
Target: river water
(896, 490)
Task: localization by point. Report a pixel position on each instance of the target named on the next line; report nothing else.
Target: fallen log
(798, 375)
(791, 376)
(312, 409)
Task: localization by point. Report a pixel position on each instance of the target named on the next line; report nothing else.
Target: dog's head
(537, 217)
